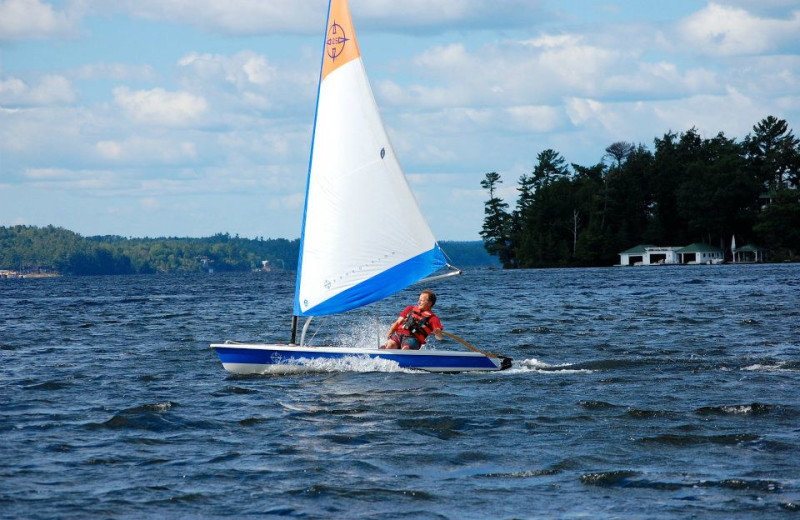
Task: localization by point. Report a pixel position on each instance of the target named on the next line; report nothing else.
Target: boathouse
(700, 253)
(646, 254)
(748, 253)
(697, 253)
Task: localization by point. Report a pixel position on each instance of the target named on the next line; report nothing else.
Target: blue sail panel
(380, 286)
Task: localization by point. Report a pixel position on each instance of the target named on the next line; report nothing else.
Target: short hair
(431, 296)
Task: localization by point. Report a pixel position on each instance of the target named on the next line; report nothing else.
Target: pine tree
(496, 232)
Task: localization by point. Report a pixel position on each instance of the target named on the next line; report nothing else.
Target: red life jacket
(418, 324)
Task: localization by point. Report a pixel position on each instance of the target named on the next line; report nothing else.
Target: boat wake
(773, 366)
(367, 364)
(339, 364)
(536, 366)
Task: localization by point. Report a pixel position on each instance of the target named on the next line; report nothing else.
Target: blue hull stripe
(267, 356)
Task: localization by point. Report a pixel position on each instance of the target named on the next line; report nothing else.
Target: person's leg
(393, 343)
(410, 343)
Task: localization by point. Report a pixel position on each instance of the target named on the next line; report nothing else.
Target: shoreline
(7, 275)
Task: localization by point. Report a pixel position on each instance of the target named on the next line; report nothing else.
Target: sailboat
(363, 236)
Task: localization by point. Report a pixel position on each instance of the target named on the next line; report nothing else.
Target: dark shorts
(402, 340)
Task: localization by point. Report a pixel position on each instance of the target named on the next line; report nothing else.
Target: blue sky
(192, 117)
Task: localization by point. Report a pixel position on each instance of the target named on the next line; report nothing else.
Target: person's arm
(400, 319)
(394, 326)
(437, 328)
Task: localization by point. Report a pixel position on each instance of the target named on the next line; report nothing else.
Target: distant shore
(5, 274)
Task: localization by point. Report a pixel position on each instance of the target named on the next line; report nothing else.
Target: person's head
(427, 299)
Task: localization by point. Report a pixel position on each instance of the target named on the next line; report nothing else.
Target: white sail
(364, 236)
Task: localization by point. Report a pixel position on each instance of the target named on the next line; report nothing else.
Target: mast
(293, 341)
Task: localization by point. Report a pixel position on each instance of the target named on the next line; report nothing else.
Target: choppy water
(664, 392)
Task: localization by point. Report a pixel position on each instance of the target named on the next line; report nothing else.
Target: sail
(364, 236)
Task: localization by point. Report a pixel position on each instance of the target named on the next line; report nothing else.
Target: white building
(646, 254)
(699, 253)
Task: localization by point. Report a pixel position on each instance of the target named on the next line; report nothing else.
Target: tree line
(688, 189)
(53, 249)
(32, 249)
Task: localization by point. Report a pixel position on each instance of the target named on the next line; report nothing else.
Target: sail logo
(336, 41)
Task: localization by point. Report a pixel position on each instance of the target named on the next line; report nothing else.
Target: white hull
(248, 358)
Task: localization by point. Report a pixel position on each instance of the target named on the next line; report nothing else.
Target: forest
(687, 189)
(53, 249)
(31, 249)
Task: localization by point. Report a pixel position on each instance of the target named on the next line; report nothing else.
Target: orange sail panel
(340, 41)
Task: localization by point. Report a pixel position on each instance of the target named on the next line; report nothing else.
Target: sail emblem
(337, 39)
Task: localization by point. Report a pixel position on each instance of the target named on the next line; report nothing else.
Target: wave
(649, 414)
(152, 417)
(636, 479)
(774, 366)
(366, 494)
(49, 386)
(534, 365)
(731, 439)
(597, 405)
(234, 390)
(536, 330)
(522, 474)
(738, 409)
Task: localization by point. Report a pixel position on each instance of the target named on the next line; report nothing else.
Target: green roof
(637, 250)
(749, 248)
(699, 247)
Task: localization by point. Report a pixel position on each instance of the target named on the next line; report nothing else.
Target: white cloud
(732, 112)
(160, 107)
(64, 179)
(138, 150)
(416, 16)
(109, 149)
(249, 17)
(554, 41)
(244, 69)
(246, 82)
(536, 118)
(768, 7)
(721, 30)
(33, 19)
(291, 201)
(235, 17)
(50, 89)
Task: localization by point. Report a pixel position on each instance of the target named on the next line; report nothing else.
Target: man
(410, 330)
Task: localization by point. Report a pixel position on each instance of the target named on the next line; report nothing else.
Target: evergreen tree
(496, 232)
(779, 224)
(550, 165)
(620, 151)
(773, 152)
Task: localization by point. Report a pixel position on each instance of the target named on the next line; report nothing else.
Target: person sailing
(410, 330)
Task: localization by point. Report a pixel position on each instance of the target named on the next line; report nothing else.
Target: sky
(151, 118)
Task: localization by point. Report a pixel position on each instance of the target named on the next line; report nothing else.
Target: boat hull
(250, 358)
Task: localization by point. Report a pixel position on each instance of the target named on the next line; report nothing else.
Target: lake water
(664, 392)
